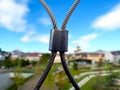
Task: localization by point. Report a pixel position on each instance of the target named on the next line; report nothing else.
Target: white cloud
(12, 15)
(26, 38)
(45, 21)
(108, 21)
(85, 41)
(33, 36)
(71, 49)
(42, 38)
(69, 36)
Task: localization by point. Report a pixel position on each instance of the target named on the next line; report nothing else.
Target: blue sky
(25, 24)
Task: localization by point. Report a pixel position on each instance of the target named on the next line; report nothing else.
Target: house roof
(35, 54)
(90, 53)
(116, 52)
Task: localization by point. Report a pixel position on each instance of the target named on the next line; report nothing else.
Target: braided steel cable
(50, 14)
(67, 71)
(69, 14)
(54, 52)
(52, 57)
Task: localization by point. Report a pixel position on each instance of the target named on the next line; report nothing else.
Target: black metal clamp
(58, 42)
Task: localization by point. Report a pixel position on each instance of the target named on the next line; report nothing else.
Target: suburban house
(86, 58)
(3, 54)
(31, 56)
(16, 54)
(94, 56)
(116, 56)
(35, 56)
(108, 55)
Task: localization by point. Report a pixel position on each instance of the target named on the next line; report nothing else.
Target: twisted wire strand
(50, 14)
(67, 71)
(69, 14)
(52, 57)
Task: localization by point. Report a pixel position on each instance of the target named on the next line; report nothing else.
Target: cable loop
(58, 47)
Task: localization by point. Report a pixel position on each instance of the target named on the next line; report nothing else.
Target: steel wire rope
(69, 14)
(41, 80)
(50, 14)
(62, 56)
(53, 53)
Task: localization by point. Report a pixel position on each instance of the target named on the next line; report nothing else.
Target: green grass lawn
(87, 86)
(65, 84)
(100, 81)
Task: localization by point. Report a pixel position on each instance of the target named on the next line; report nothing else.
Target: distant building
(78, 49)
(16, 54)
(94, 56)
(108, 55)
(71, 57)
(35, 56)
(3, 55)
(116, 56)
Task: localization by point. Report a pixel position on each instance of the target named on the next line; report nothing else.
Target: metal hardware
(58, 42)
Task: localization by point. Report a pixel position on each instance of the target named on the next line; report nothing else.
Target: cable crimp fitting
(58, 40)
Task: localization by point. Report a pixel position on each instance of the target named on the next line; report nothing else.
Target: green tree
(27, 62)
(20, 62)
(110, 67)
(40, 66)
(100, 63)
(18, 79)
(24, 63)
(33, 63)
(44, 59)
(15, 63)
(7, 62)
(1, 62)
(75, 66)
